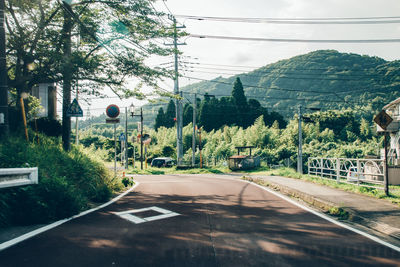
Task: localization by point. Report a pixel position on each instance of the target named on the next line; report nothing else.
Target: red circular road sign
(112, 111)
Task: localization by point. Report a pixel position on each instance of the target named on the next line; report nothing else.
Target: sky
(254, 54)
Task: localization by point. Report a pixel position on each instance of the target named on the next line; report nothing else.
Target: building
(47, 94)
(393, 110)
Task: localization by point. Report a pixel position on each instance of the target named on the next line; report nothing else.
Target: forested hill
(325, 79)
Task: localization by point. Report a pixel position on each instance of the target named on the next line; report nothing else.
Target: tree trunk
(4, 128)
(67, 76)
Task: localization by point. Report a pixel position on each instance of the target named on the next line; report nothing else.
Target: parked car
(162, 162)
(354, 176)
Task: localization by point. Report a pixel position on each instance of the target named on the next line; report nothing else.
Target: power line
(282, 98)
(281, 76)
(263, 87)
(343, 41)
(334, 21)
(275, 67)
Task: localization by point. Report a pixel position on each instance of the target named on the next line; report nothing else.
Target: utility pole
(126, 138)
(141, 138)
(194, 131)
(4, 128)
(178, 102)
(385, 143)
(300, 150)
(77, 98)
(77, 121)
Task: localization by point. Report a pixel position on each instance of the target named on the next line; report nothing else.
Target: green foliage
(67, 181)
(47, 126)
(322, 138)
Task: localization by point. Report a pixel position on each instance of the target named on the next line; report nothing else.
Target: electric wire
(332, 21)
(280, 40)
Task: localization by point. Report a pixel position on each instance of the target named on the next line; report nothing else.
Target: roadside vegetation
(69, 182)
(394, 196)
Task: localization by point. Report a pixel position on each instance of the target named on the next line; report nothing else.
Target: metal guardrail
(348, 170)
(12, 177)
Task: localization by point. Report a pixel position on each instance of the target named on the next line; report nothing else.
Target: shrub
(67, 181)
(47, 126)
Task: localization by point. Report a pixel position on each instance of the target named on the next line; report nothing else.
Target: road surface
(198, 220)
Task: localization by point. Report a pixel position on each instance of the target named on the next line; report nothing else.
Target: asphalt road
(199, 221)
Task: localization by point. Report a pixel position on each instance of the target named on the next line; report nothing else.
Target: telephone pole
(194, 131)
(178, 102)
(300, 151)
(4, 128)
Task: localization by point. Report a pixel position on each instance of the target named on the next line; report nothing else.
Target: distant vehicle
(354, 176)
(162, 162)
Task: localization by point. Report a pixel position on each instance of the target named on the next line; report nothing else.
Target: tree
(169, 120)
(115, 39)
(240, 101)
(187, 114)
(159, 119)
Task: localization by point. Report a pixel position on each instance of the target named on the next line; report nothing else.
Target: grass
(173, 170)
(394, 191)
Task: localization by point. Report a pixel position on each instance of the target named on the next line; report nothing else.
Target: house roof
(239, 157)
(397, 101)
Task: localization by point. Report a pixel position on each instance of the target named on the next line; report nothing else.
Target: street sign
(112, 120)
(122, 137)
(139, 126)
(74, 110)
(383, 119)
(112, 111)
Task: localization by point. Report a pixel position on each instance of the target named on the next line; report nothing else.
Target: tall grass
(68, 182)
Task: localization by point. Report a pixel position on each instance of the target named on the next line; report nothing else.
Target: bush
(47, 126)
(67, 182)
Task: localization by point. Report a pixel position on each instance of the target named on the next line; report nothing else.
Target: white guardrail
(18, 176)
(348, 170)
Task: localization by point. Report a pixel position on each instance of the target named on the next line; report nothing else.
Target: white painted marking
(159, 217)
(132, 218)
(323, 216)
(26, 236)
(127, 215)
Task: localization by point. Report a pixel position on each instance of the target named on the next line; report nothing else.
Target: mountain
(325, 79)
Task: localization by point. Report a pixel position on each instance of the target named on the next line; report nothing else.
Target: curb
(325, 206)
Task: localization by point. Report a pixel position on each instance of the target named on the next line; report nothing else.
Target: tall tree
(169, 121)
(115, 39)
(240, 101)
(159, 119)
(187, 114)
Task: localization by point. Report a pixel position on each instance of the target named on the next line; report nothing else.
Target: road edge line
(33, 233)
(323, 216)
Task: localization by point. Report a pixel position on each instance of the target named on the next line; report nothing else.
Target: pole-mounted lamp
(132, 111)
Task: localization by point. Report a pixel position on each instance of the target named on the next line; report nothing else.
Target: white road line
(26, 236)
(323, 216)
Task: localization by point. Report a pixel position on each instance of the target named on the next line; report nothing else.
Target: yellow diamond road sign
(383, 119)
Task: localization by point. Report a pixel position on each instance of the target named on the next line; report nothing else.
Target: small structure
(393, 110)
(47, 94)
(393, 128)
(244, 162)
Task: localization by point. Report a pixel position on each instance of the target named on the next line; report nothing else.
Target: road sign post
(112, 112)
(384, 120)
